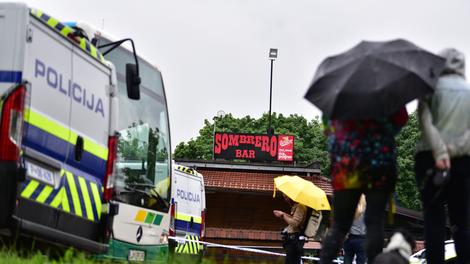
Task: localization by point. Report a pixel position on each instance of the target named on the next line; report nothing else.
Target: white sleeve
(430, 132)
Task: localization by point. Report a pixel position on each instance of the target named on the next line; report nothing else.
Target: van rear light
(108, 178)
(203, 224)
(11, 124)
(172, 231)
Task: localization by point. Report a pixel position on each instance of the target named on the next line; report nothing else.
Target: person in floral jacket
(363, 160)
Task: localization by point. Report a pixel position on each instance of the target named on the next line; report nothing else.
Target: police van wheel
(7, 198)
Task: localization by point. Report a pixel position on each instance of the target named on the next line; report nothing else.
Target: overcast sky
(214, 53)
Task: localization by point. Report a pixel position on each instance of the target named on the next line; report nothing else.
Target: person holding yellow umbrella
(299, 193)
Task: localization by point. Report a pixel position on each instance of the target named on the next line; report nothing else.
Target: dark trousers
(294, 248)
(344, 206)
(456, 194)
(355, 246)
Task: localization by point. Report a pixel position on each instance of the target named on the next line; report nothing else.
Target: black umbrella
(373, 79)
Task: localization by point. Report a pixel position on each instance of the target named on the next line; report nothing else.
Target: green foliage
(70, 256)
(309, 143)
(406, 189)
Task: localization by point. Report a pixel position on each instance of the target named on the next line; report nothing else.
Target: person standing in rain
(290, 235)
(442, 162)
(363, 160)
(354, 244)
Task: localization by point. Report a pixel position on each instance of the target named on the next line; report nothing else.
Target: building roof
(253, 181)
(313, 168)
(259, 177)
(253, 177)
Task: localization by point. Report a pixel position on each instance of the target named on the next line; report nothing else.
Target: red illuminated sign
(285, 148)
(259, 147)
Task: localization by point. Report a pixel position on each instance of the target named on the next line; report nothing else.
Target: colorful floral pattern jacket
(363, 152)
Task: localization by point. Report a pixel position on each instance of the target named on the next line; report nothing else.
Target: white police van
(58, 131)
(450, 256)
(188, 210)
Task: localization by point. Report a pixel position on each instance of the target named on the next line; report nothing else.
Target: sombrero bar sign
(259, 147)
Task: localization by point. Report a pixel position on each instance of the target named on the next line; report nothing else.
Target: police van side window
(143, 164)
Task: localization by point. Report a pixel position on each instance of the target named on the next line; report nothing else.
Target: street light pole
(272, 57)
(220, 114)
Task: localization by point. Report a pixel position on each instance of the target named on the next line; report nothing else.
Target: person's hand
(443, 164)
(278, 213)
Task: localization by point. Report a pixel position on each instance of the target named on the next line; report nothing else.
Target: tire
(8, 187)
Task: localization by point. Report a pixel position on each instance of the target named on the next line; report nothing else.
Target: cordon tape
(254, 250)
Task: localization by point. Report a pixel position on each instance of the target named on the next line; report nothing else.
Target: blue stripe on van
(181, 225)
(90, 165)
(69, 196)
(10, 76)
(44, 142)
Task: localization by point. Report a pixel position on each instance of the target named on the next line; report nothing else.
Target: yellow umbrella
(302, 191)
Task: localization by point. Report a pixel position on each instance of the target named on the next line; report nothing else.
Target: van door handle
(79, 148)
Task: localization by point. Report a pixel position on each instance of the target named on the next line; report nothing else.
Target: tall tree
(406, 189)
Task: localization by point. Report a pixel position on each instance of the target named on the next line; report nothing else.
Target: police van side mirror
(132, 81)
(132, 70)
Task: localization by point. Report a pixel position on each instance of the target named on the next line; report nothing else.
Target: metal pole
(213, 140)
(270, 96)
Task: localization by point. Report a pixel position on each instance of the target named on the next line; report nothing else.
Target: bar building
(239, 200)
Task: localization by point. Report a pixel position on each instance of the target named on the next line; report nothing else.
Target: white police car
(450, 255)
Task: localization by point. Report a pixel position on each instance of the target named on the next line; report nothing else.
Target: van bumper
(58, 236)
(56, 226)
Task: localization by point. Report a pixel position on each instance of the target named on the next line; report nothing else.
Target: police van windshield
(143, 165)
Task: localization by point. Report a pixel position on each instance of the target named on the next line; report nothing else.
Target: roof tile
(253, 181)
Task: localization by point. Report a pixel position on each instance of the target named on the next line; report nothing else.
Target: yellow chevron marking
(189, 247)
(52, 22)
(86, 198)
(30, 188)
(66, 30)
(101, 57)
(74, 192)
(65, 201)
(179, 248)
(61, 198)
(82, 44)
(93, 51)
(187, 170)
(96, 198)
(38, 12)
(58, 198)
(44, 194)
